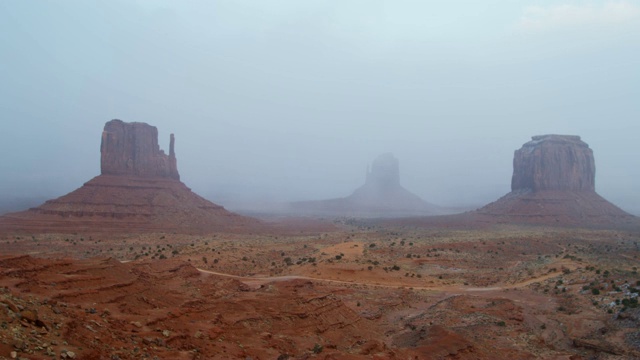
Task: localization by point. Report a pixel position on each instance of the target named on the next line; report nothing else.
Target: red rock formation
(138, 191)
(132, 149)
(554, 183)
(382, 195)
(554, 162)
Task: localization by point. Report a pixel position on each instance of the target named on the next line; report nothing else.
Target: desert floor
(357, 291)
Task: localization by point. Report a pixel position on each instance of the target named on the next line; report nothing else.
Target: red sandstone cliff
(132, 149)
(554, 162)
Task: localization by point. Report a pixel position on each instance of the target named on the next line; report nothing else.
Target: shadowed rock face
(554, 163)
(132, 149)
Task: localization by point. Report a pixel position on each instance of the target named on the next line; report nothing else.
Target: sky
(286, 100)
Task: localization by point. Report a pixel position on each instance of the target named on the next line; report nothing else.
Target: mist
(289, 100)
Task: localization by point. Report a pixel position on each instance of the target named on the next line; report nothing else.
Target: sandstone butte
(138, 190)
(382, 195)
(553, 182)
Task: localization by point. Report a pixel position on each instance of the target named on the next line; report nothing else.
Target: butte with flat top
(138, 190)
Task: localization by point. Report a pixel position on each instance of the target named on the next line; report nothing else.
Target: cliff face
(132, 149)
(554, 163)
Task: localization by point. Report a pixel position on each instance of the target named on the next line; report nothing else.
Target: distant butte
(554, 183)
(382, 195)
(138, 190)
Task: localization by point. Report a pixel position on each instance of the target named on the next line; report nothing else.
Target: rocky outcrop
(554, 163)
(132, 149)
(554, 183)
(138, 191)
(382, 195)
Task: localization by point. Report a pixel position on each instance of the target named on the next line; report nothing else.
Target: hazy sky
(290, 99)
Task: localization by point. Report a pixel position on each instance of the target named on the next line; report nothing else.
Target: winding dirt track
(257, 281)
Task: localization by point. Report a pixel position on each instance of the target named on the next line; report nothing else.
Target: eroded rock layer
(103, 309)
(127, 204)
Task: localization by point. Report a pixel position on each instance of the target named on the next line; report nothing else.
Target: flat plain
(355, 290)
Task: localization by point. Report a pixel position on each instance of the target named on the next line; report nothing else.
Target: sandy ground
(354, 292)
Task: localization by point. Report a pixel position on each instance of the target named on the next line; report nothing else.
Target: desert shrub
(317, 349)
(595, 291)
(632, 303)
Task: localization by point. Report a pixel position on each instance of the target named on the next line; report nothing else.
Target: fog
(290, 100)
